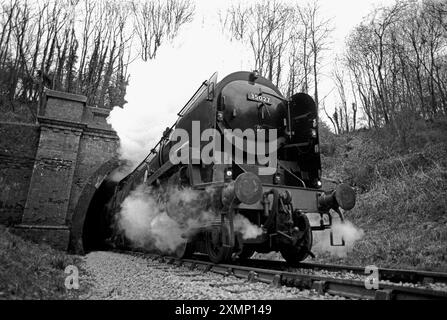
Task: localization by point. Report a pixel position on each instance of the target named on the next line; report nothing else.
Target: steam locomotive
(277, 202)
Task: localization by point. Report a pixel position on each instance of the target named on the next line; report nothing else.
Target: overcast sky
(159, 88)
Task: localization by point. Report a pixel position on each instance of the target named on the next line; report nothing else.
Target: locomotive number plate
(259, 98)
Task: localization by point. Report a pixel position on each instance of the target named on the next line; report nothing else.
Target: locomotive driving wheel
(218, 251)
(295, 253)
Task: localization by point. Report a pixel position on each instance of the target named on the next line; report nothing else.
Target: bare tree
(265, 26)
(339, 81)
(319, 31)
(155, 21)
(287, 41)
(397, 62)
(79, 46)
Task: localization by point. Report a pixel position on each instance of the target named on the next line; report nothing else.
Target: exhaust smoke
(152, 221)
(246, 228)
(346, 230)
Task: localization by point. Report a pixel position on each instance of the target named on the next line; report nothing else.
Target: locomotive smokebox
(342, 197)
(246, 189)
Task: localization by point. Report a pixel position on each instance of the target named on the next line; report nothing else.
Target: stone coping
(65, 95)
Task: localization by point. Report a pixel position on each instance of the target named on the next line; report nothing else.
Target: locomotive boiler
(276, 197)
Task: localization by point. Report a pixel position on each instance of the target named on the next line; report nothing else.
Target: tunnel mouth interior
(98, 225)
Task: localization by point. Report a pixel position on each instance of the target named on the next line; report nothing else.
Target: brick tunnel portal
(99, 223)
(54, 173)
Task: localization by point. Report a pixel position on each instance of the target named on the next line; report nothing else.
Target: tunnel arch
(95, 190)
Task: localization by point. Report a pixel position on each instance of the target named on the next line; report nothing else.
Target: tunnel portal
(99, 221)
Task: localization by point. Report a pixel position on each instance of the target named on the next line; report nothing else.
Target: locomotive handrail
(205, 83)
(294, 175)
(180, 114)
(153, 152)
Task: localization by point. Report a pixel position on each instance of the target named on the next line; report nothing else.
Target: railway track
(411, 285)
(422, 278)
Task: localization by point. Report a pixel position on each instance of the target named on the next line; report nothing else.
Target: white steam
(346, 230)
(144, 218)
(246, 228)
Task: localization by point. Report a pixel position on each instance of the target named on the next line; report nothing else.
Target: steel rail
(393, 275)
(321, 284)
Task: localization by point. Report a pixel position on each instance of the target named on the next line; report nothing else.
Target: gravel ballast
(115, 276)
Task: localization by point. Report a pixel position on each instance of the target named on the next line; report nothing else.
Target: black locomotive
(277, 203)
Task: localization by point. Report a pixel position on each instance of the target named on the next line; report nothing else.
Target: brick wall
(18, 147)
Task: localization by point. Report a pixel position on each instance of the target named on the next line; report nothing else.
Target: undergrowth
(402, 195)
(32, 271)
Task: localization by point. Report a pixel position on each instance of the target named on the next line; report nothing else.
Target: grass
(405, 223)
(402, 195)
(32, 271)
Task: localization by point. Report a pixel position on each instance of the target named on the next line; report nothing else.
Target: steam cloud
(246, 228)
(346, 230)
(145, 221)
